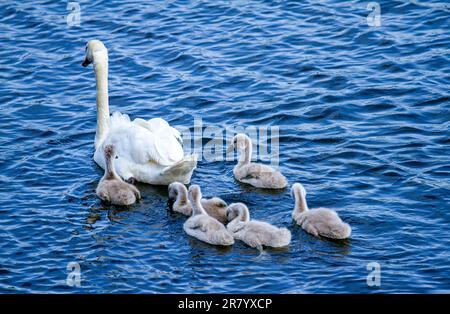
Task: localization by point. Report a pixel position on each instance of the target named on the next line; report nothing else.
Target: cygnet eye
(117, 157)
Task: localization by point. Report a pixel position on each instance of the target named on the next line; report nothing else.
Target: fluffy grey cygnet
(255, 233)
(112, 189)
(202, 226)
(255, 174)
(320, 221)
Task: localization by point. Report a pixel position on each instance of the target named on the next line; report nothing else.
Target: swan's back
(117, 192)
(324, 222)
(260, 176)
(142, 141)
(256, 233)
(208, 229)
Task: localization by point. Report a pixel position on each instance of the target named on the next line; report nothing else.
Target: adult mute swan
(202, 226)
(214, 207)
(320, 221)
(148, 151)
(112, 188)
(255, 233)
(258, 175)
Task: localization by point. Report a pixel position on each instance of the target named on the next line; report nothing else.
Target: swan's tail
(342, 231)
(181, 171)
(284, 237)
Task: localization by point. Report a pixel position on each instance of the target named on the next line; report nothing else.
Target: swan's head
(95, 50)
(174, 189)
(238, 210)
(110, 152)
(195, 194)
(239, 142)
(298, 189)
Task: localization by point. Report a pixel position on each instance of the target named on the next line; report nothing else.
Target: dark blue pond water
(363, 114)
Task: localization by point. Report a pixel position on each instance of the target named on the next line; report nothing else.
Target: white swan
(148, 151)
(112, 188)
(255, 233)
(320, 221)
(203, 227)
(214, 207)
(258, 175)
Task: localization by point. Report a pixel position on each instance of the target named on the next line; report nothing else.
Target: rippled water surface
(363, 114)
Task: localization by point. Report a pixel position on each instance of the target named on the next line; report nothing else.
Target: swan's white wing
(159, 125)
(142, 141)
(167, 144)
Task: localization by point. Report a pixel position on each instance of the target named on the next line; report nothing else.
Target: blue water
(363, 113)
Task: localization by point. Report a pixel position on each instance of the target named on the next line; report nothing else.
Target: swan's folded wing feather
(144, 142)
(162, 126)
(197, 223)
(251, 175)
(159, 125)
(119, 119)
(257, 171)
(165, 148)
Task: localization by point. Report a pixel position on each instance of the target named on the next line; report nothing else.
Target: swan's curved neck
(110, 173)
(246, 154)
(244, 215)
(197, 208)
(182, 198)
(300, 202)
(240, 220)
(101, 80)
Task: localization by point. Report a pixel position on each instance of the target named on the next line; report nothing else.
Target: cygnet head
(239, 142)
(195, 194)
(95, 49)
(174, 189)
(298, 189)
(238, 209)
(110, 152)
(220, 203)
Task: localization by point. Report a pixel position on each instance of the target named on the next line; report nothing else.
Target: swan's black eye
(117, 157)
